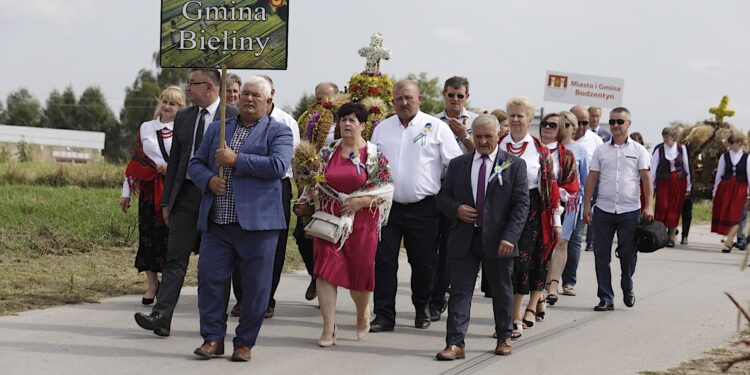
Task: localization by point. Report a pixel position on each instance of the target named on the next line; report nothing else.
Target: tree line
(90, 111)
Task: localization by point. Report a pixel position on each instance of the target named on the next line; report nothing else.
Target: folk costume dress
(566, 169)
(730, 191)
(351, 262)
(536, 243)
(671, 179)
(152, 145)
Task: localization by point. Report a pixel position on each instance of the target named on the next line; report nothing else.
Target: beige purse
(324, 226)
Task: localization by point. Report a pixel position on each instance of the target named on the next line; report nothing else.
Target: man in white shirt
(619, 167)
(590, 141)
(455, 95)
(418, 147)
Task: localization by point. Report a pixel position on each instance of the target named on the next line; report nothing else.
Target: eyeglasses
(583, 123)
(550, 125)
(619, 121)
(452, 95)
(196, 83)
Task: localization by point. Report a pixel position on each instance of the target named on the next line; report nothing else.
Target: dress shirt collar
(444, 115)
(627, 142)
(212, 109)
(492, 155)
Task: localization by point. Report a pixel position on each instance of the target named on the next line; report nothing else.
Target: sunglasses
(619, 121)
(583, 123)
(547, 124)
(452, 95)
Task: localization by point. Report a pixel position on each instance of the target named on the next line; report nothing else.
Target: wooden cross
(374, 53)
(721, 111)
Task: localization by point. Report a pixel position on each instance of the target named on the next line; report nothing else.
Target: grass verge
(70, 245)
(715, 360)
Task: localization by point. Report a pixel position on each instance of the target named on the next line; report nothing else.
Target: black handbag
(651, 236)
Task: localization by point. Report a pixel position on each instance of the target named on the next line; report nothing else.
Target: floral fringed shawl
(549, 193)
(379, 185)
(142, 168)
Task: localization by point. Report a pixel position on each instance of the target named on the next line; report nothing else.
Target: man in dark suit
(180, 199)
(486, 194)
(240, 217)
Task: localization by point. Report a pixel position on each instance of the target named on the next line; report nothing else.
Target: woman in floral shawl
(144, 175)
(542, 229)
(556, 131)
(358, 189)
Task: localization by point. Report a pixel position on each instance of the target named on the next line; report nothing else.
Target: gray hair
(233, 78)
(485, 119)
(258, 81)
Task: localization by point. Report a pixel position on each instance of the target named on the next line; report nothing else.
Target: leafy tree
(3, 114)
(430, 89)
(23, 108)
(302, 104)
(140, 103)
(94, 114)
(60, 112)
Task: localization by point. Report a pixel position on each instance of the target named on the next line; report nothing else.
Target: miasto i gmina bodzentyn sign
(583, 89)
(237, 34)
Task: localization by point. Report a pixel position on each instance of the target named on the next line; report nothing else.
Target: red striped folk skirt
(728, 204)
(670, 194)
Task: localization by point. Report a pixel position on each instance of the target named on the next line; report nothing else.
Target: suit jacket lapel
(499, 160)
(466, 171)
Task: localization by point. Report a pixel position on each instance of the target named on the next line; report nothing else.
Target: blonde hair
(568, 118)
(172, 94)
(524, 102)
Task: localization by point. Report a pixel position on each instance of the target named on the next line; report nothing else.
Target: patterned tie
(199, 131)
(481, 189)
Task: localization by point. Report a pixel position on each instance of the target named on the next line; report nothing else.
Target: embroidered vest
(739, 170)
(663, 170)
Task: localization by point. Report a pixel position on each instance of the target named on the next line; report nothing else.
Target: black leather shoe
(435, 315)
(684, 241)
(589, 247)
(380, 325)
(629, 299)
(154, 322)
(604, 306)
(422, 320)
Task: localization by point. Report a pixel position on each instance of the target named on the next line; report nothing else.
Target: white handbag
(324, 226)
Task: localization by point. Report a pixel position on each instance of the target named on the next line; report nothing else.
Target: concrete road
(681, 311)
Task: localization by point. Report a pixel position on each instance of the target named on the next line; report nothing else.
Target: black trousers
(687, 215)
(417, 225)
(463, 278)
(183, 239)
(280, 255)
(304, 245)
(441, 281)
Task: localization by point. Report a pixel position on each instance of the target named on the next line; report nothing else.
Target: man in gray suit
(486, 193)
(181, 199)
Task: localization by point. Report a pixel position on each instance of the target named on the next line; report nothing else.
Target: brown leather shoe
(210, 349)
(503, 347)
(269, 312)
(450, 353)
(241, 354)
(236, 311)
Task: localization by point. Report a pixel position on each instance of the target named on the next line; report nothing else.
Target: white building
(53, 145)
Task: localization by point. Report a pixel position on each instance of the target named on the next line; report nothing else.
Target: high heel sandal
(326, 343)
(147, 301)
(552, 296)
(528, 323)
(540, 314)
(517, 330)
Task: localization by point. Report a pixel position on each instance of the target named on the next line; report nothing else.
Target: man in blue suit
(240, 216)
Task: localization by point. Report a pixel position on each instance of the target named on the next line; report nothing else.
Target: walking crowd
(467, 195)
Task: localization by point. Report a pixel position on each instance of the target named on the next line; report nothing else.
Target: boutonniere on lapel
(499, 168)
(355, 160)
(422, 136)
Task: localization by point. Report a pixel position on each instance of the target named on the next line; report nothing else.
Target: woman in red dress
(730, 190)
(358, 189)
(671, 178)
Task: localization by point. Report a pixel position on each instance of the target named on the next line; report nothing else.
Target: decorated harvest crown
(372, 88)
(706, 141)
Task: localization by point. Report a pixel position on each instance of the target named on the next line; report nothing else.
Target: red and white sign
(583, 89)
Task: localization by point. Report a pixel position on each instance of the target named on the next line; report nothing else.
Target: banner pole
(223, 113)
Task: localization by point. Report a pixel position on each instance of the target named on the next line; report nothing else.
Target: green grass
(702, 211)
(63, 245)
(98, 175)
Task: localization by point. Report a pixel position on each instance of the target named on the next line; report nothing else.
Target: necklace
(518, 151)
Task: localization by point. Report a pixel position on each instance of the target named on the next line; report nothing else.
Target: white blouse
(670, 153)
(150, 142)
(735, 157)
